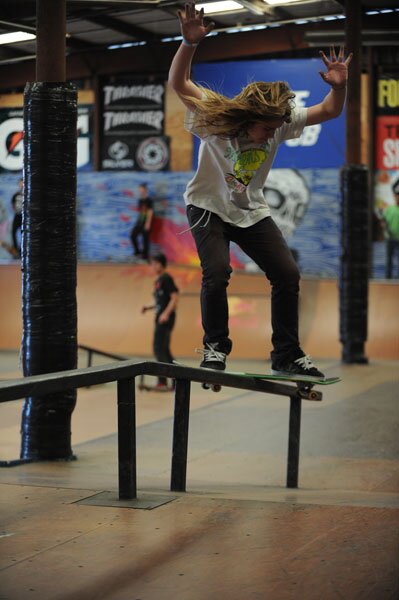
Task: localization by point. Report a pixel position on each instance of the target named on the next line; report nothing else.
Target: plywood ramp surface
(110, 298)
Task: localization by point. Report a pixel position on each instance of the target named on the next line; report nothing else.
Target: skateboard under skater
(305, 383)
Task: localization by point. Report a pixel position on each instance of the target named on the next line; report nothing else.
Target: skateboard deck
(307, 379)
(303, 382)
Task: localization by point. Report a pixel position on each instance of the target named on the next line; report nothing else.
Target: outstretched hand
(337, 68)
(192, 24)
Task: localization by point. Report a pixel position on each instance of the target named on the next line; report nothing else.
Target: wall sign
(133, 125)
(11, 139)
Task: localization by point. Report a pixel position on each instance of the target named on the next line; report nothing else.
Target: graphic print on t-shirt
(245, 164)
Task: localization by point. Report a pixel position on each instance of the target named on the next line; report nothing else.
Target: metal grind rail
(124, 373)
(91, 351)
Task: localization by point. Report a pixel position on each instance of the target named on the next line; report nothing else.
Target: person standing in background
(16, 203)
(166, 295)
(391, 220)
(142, 227)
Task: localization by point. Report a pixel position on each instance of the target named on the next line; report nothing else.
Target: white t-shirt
(231, 173)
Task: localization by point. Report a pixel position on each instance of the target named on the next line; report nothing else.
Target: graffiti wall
(304, 204)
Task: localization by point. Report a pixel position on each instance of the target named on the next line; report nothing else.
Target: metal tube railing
(125, 373)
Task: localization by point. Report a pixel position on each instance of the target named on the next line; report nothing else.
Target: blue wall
(325, 150)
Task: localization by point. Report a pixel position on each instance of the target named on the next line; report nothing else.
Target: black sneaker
(300, 366)
(213, 358)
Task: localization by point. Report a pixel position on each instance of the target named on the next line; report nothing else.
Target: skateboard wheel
(205, 386)
(216, 388)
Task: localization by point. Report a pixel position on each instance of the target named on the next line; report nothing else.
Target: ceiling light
(126, 45)
(224, 6)
(16, 36)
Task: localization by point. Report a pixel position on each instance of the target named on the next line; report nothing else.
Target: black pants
(16, 226)
(137, 231)
(264, 243)
(161, 343)
(392, 249)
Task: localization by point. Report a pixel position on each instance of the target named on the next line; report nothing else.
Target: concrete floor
(237, 532)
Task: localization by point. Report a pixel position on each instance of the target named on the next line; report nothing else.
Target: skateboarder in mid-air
(166, 295)
(225, 202)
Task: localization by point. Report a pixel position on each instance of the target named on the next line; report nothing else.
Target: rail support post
(180, 436)
(127, 439)
(294, 435)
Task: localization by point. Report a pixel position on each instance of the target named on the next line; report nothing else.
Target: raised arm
(336, 76)
(193, 31)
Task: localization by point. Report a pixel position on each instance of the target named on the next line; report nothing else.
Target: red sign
(387, 142)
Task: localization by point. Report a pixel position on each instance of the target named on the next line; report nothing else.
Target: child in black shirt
(166, 297)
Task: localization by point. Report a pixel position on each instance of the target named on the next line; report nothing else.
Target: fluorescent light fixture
(172, 39)
(245, 28)
(211, 8)
(126, 45)
(16, 36)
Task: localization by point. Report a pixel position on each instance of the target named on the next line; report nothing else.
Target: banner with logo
(386, 162)
(387, 122)
(320, 146)
(133, 125)
(11, 139)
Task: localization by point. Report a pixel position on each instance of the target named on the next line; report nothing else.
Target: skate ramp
(110, 297)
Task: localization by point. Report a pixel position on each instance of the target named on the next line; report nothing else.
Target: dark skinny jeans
(265, 245)
(137, 231)
(161, 342)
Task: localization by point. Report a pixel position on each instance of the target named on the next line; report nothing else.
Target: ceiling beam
(71, 41)
(18, 10)
(7, 52)
(128, 29)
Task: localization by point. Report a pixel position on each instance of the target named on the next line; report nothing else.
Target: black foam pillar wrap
(354, 267)
(49, 339)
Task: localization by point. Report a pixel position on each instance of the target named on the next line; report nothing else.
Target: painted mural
(304, 203)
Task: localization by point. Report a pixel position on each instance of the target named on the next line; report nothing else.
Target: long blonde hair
(258, 101)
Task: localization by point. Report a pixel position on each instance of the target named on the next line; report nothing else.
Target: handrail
(37, 385)
(124, 373)
(90, 351)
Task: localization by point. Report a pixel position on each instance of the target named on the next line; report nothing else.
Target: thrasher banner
(133, 124)
(135, 153)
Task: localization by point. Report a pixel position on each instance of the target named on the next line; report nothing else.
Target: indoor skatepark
(266, 489)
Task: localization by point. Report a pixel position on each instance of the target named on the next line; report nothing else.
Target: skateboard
(305, 383)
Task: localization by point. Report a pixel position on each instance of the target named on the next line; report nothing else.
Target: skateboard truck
(215, 387)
